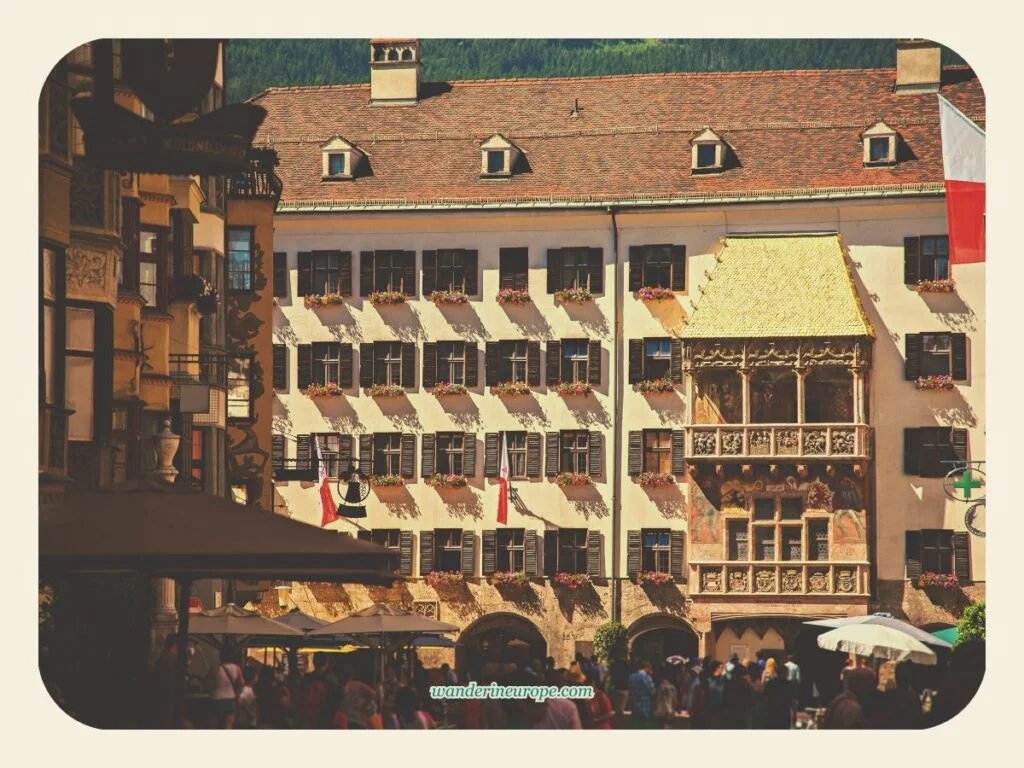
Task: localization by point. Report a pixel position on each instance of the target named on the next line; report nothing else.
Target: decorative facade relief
(791, 580)
(817, 581)
(711, 580)
(739, 580)
(764, 579)
(91, 274)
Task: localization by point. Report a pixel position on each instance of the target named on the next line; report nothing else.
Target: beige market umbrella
(231, 620)
(877, 641)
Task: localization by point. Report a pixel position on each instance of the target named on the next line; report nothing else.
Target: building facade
(711, 318)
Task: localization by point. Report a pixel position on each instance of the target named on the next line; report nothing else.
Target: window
(575, 360)
(936, 354)
(657, 266)
(389, 269)
(280, 275)
(515, 442)
(925, 258)
(198, 479)
(574, 451)
(496, 161)
(768, 514)
(330, 447)
(387, 453)
(239, 259)
(451, 270)
(817, 540)
(387, 362)
(738, 541)
(149, 262)
(658, 450)
(707, 151)
(511, 550)
(213, 188)
(656, 548)
(764, 542)
(514, 268)
(792, 507)
(337, 163)
(572, 550)
(385, 537)
(239, 391)
(764, 509)
(575, 268)
(657, 358)
(878, 149)
(792, 544)
(326, 272)
(448, 549)
(79, 371)
(326, 363)
(451, 362)
(449, 452)
(937, 551)
(513, 361)
(933, 451)
(707, 155)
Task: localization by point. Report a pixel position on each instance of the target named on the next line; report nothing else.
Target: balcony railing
(200, 368)
(778, 441)
(294, 469)
(774, 577)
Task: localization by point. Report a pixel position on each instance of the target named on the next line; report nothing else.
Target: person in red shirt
(601, 710)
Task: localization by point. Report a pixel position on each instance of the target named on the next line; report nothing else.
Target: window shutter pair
(676, 554)
(633, 553)
(961, 555)
(365, 273)
(914, 352)
(513, 268)
(428, 461)
(280, 274)
(277, 451)
(280, 367)
(916, 461)
(595, 258)
(492, 454)
(307, 364)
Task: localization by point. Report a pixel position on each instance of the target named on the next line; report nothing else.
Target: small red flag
(503, 474)
(327, 505)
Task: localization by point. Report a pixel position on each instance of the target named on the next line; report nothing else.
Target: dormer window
(498, 157)
(340, 160)
(707, 152)
(879, 145)
(337, 164)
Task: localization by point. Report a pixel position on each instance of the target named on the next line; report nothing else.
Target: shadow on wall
(951, 310)
(670, 314)
(529, 320)
(461, 410)
(589, 316)
(461, 503)
(669, 500)
(403, 320)
(523, 599)
(338, 412)
(283, 331)
(400, 412)
(464, 321)
(667, 598)
(339, 321)
(584, 601)
(588, 411)
(587, 500)
(527, 411)
(670, 407)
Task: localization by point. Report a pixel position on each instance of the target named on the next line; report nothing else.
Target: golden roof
(778, 286)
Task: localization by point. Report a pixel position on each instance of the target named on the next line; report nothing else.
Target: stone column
(690, 391)
(858, 396)
(801, 402)
(745, 373)
(165, 615)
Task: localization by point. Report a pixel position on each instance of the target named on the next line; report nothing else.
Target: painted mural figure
(846, 505)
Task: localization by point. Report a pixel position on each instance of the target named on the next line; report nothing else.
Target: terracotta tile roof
(789, 130)
(811, 292)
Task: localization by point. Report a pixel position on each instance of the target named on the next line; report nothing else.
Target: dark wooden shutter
(513, 268)
(530, 553)
(492, 444)
(472, 364)
(427, 457)
(280, 274)
(408, 364)
(533, 454)
(676, 554)
(678, 267)
(554, 363)
(636, 452)
(302, 451)
(533, 363)
(345, 273)
(911, 451)
(280, 367)
(345, 377)
(469, 554)
(632, 553)
(958, 439)
(304, 374)
(405, 553)
(678, 451)
(594, 364)
(490, 552)
(426, 552)
(305, 273)
(596, 258)
(429, 364)
(366, 458)
(912, 554)
(492, 361)
(676, 362)
(103, 376)
(958, 342)
(961, 556)
(469, 454)
(429, 273)
(593, 554)
(364, 535)
(344, 452)
(595, 459)
(365, 273)
(636, 360)
(550, 553)
(472, 263)
(636, 268)
(554, 269)
(913, 349)
(911, 260)
(277, 451)
(406, 458)
(366, 364)
(409, 273)
(551, 454)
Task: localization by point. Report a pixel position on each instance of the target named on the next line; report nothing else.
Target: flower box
(649, 293)
(566, 479)
(574, 295)
(654, 386)
(206, 304)
(449, 297)
(325, 300)
(386, 481)
(571, 580)
(385, 390)
(323, 390)
(445, 579)
(934, 382)
(513, 296)
(653, 578)
(935, 286)
(574, 388)
(655, 479)
(511, 388)
(509, 579)
(448, 481)
(941, 580)
(384, 298)
(443, 389)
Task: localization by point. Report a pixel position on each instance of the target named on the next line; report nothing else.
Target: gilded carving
(845, 580)
(790, 580)
(830, 352)
(843, 442)
(815, 442)
(760, 442)
(738, 581)
(704, 443)
(711, 581)
(784, 353)
(428, 608)
(787, 442)
(714, 354)
(732, 443)
(765, 579)
(817, 581)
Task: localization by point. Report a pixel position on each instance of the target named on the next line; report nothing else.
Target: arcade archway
(499, 638)
(659, 636)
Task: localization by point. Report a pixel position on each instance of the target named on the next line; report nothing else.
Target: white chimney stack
(918, 66)
(394, 71)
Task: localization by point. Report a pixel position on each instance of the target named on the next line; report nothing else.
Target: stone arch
(657, 636)
(500, 636)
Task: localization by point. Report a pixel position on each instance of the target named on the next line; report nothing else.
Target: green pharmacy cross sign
(963, 483)
(967, 483)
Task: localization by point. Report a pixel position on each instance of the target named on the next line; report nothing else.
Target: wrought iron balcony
(294, 469)
(775, 577)
(813, 442)
(258, 181)
(201, 368)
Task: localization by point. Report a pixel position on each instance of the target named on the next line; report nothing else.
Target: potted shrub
(206, 304)
(653, 578)
(611, 641)
(650, 293)
(571, 580)
(385, 390)
(323, 390)
(935, 286)
(385, 298)
(654, 386)
(443, 389)
(568, 479)
(934, 382)
(509, 579)
(939, 580)
(574, 295)
(574, 388)
(449, 297)
(655, 479)
(449, 481)
(445, 579)
(511, 388)
(513, 296)
(386, 481)
(325, 300)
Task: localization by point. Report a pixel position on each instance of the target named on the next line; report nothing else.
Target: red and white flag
(503, 483)
(963, 159)
(327, 505)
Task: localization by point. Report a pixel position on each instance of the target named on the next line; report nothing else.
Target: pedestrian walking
(666, 699)
(641, 696)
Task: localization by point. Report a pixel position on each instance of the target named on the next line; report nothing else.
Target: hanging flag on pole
(963, 160)
(503, 474)
(327, 505)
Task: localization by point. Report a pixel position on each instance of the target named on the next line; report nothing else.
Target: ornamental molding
(748, 354)
(91, 274)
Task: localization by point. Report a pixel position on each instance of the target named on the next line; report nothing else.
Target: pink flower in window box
(513, 296)
(581, 388)
(385, 390)
(653, 578)
(934, 382)
(443, 389)
(386, 481)
(571, 580)
(509, 579)
(511, 388)
(649, 293)
(384, 298)
(574, 295)
(323, 390)
(325, 300)
(449, 297)
(935, 286)
(655, 479)
(449, 481)
(568, 479)
(655, 386)
(445, 579)
(941, 580)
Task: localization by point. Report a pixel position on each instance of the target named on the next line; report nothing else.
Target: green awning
(949, 634)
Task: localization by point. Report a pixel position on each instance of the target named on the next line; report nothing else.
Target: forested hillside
(257, 64)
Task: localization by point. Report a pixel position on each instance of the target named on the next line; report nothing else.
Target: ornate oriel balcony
(770, 578)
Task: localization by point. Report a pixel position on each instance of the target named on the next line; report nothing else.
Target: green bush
(610, 641)
(971, 625)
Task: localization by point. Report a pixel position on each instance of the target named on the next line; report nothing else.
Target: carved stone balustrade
(778, 441)
(789, 577)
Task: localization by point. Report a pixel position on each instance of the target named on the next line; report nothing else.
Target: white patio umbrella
(877, 641)
(884, 620)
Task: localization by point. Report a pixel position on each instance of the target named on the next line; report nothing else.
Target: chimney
(918, 66)
(394, 71)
